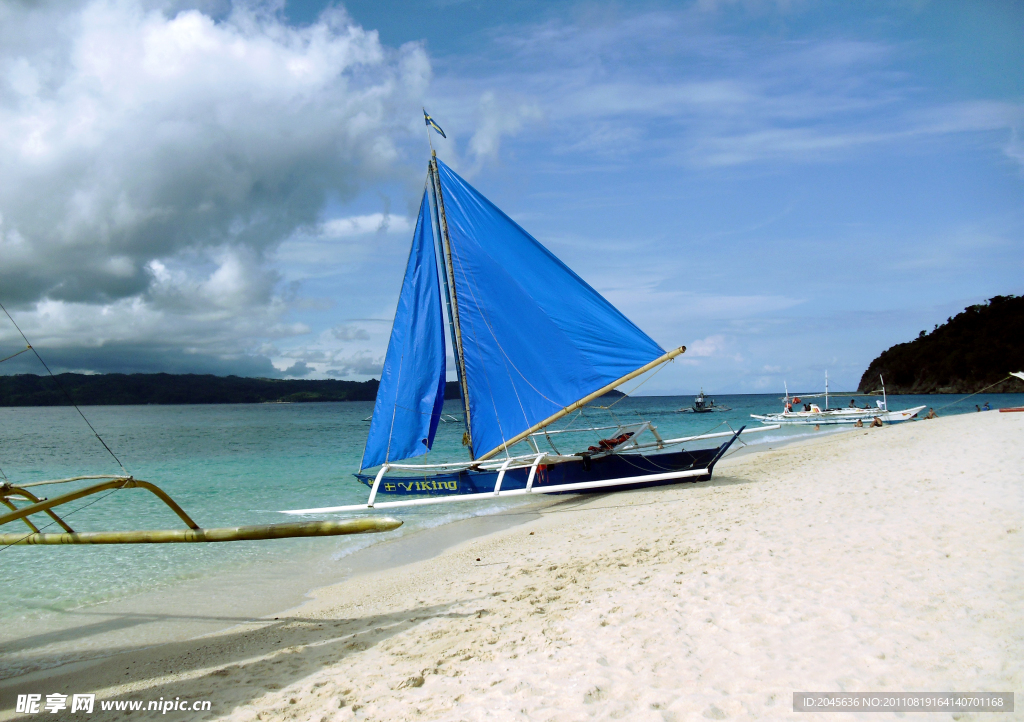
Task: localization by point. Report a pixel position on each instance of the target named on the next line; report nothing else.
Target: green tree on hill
(976, 348)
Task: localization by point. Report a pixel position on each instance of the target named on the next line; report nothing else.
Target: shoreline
(141, 619)
(76, 637)
(886, 559)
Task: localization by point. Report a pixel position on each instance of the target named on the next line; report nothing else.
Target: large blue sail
(411, 392)
(536, 337)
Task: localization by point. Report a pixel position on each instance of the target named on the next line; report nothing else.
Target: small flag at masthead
(430, 123)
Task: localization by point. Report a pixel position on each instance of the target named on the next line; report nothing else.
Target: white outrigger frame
(531, 461)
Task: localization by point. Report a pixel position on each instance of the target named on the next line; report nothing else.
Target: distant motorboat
(703, 405)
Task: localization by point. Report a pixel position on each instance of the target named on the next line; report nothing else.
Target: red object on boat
(1016, 408)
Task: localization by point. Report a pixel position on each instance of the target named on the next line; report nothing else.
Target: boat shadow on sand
(234, 668)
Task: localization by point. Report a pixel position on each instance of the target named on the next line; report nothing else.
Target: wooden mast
(453, 301)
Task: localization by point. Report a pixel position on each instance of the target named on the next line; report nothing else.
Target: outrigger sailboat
(815, 415)
(533, 343)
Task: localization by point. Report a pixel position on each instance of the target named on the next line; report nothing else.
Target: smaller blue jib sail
(411, 392)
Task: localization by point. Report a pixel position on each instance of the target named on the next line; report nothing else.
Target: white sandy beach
(876, 560)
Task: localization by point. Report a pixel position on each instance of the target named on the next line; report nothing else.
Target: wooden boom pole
(582, 402)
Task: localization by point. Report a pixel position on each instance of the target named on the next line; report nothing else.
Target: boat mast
(451, 297)
(826, 389)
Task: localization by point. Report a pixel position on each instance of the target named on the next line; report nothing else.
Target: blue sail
(411, 392)
(536, 337)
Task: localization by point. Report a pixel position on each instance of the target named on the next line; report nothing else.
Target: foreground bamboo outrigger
(9, 493)
(192, 534)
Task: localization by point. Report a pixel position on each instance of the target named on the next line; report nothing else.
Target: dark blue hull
(615, 466)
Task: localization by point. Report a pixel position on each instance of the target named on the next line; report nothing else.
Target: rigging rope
(974, 394)
(61, 387)
(625, 395)
(27, 348)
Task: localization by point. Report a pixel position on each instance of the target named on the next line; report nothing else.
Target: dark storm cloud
(151, 155)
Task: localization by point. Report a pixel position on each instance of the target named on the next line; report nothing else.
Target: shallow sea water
(228, 465)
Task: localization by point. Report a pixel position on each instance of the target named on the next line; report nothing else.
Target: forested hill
(977, 347)
(122, 389)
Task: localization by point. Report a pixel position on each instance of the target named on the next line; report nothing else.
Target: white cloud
(361, 225)
(150, 161)
(498, 118)
(663, 83)
(348, 332)
(706, 347)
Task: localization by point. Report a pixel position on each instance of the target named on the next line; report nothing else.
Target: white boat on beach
(813, 415)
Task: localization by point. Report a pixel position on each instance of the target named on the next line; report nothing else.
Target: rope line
(974, 394)
(625, 395)
(61, 387)
(27, 348)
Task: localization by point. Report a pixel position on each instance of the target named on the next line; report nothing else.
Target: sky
(787, 188)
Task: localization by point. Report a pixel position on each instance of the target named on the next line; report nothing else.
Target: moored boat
(533, 344)
(703, 405)
(813, 415)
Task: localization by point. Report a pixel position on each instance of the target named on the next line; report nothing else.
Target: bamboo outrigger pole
(582, 402)
(162, 536)
(224, 534)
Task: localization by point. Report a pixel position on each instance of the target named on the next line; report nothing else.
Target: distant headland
(143, 389)
(972, 350)
(132, 389)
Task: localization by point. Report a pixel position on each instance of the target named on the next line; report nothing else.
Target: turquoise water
(239, 464)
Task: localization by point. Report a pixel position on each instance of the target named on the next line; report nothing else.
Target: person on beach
(986, 407)
(876, 422)
(859, 424)
(932, 414)
(977, 408)
(853, 403)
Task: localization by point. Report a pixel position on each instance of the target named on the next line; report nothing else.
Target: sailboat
(532, 344)
(815, 415)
